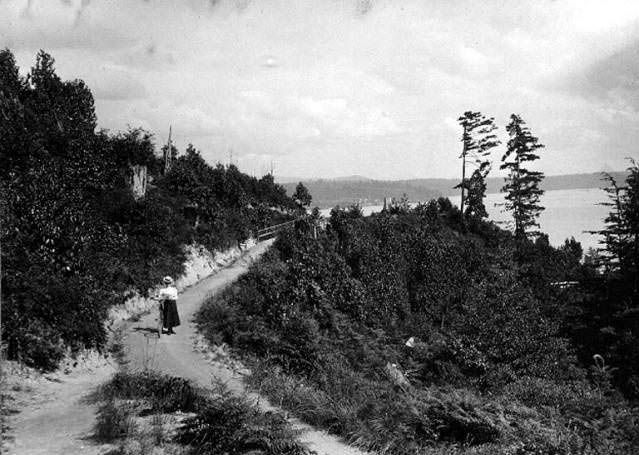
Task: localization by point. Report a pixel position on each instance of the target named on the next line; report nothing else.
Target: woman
(168, 296)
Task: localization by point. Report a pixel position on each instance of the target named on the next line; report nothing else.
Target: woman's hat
(168, 280)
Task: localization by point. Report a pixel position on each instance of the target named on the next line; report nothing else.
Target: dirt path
(176, 354)
(54, 418)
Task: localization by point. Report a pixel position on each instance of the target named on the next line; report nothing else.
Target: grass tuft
(136, 409)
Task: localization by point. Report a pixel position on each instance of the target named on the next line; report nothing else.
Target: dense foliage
(217, 422)
(605, 317)
(74, 238)
(491, 369)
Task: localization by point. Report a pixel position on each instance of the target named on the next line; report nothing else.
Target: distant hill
(349, 190)
(287, 180)
(352, 178)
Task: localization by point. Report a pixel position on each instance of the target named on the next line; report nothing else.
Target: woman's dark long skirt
(170, 314)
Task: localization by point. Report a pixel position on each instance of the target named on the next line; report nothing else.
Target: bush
(115, 420)
(164, 393)
(375, 417)
(231, 425)
(489, 373)
(223, 423)
(40, 345)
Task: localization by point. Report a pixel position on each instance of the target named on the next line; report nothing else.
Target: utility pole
(463, 181)
(168, 155)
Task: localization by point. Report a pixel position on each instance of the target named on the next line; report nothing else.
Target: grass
(115, 420)
(447, 420)
(5, 410)
(380, 419)
(143, 411)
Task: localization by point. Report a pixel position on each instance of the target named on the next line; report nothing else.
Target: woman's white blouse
(168, 293)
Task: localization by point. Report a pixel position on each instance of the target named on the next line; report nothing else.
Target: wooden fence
(272, 231)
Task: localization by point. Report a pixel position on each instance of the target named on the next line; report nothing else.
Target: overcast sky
(327, 88)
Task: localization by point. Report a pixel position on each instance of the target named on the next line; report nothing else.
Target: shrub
(372, 415)
(40, 345)
(165, 393)
(536, 392)
(115, 420)
(324, 316)
(223, 423)
(231, 425)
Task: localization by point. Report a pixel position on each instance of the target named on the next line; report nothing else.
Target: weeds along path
(177, 355)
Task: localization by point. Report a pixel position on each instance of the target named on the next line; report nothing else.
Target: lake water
(569, 213)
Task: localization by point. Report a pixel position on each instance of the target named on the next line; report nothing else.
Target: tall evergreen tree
(522, 185)
(631, 210)
(613, 234)
(478, 139)
(621, 234)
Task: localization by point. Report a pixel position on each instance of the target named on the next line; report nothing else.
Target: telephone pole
(463, 181)
(168, 154)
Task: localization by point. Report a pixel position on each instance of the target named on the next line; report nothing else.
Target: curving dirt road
(176, 354)
(55, 419)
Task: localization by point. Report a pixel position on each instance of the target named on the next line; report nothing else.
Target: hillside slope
(177, 355)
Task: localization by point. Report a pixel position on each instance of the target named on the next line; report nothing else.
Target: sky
(328, 88)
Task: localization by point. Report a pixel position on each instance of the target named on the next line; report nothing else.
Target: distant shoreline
(568, 213)
(331, 192)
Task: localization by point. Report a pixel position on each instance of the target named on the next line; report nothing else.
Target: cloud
(115, 84)
(613, 78)
(349, 87)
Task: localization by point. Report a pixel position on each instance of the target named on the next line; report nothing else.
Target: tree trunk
(138, 181)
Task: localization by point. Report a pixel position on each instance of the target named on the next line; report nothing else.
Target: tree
(302, 196)
(475, 207)
(613, 233)
(522, 185)
(631, 212)
(74, 237)
(478, 139)
(621, 234)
